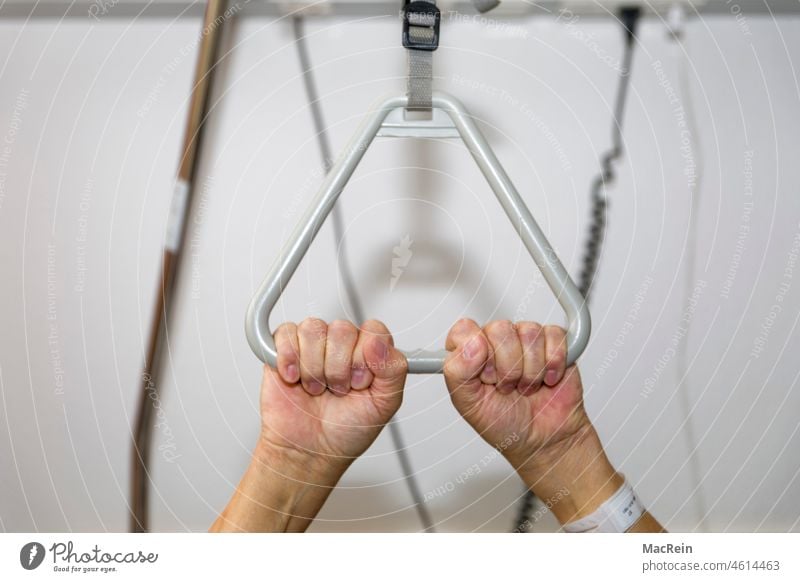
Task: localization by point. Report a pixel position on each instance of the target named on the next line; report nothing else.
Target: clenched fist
(510, 382)
(334, 389)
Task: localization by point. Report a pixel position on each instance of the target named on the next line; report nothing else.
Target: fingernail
(357, 377)
(339, 389)
(551, 377)
(489, 368)
(292, 373)
(382, 351)
(316, 388)
(471, 348)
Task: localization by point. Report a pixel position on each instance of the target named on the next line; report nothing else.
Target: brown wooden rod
(207, 58)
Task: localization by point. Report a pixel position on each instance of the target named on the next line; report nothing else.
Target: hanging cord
(599, 200)
(150, 387)
(628, 17)
(344, 266)
(676, 23)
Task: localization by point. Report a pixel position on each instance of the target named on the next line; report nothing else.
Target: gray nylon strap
(420, 63)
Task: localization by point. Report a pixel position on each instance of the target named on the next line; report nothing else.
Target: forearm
(576, 478)
(276, 494)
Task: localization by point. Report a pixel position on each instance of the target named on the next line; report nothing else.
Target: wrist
(573, 477)
(305, 478)
(282, 490)
(297, 466)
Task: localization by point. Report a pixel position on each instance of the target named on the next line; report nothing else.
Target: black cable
(597, 225)
(628, 17)
(344, 266)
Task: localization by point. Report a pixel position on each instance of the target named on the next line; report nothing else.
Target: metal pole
(257, 328)
(198, 110)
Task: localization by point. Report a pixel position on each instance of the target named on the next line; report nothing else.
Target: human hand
(510, 382)
(334, 389)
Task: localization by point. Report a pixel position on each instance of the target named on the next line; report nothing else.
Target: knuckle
(376, 327)
(500, 328)
(340, 329)
(285, 327)
(374, 324)
(529, 332)
(313, 327)
(464, 324)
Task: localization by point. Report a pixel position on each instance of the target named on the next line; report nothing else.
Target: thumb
(468, 350)
(389, 368)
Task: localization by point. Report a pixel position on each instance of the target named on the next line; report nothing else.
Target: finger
(555, 354)
(339, 346)
(312, 334)
(531, 336)
(507, 354)
(288, 352)
(361, 377)
(489, 372)
(468, 352)
(387, 364)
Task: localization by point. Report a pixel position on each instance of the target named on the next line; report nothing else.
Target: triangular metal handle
(257, 327)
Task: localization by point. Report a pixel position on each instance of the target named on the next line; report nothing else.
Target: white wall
(93, 116)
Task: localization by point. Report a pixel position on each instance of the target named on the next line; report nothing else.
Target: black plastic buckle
(423, 11)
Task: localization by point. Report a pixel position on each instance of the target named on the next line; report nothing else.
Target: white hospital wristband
(616, 515)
